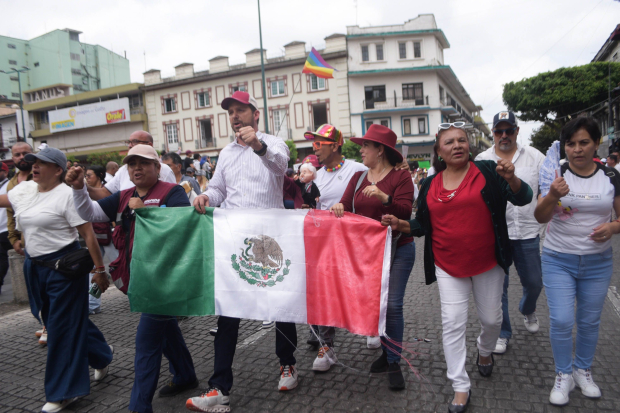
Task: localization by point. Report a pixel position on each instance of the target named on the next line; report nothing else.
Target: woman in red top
(462, 213)
(384, 190)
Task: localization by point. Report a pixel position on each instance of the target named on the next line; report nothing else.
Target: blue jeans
(157, 335)
(394, 320)
(568, 277)
(526, 256)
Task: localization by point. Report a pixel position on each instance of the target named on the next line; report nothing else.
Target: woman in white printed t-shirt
(577, 256)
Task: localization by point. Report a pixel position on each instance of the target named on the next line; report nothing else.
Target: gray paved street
(520, 382)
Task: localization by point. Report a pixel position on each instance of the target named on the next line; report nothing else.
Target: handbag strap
(357, 186)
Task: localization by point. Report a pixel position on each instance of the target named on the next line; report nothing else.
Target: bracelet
(99, 272)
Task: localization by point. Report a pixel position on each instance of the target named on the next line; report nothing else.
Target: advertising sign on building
(87, 116)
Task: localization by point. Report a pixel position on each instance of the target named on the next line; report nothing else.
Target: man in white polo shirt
(523, 229)
(121, 180)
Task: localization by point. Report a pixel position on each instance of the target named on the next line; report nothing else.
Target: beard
(24, 166)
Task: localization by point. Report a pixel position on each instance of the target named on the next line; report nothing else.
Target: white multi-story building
(398, 78)
(184, 111)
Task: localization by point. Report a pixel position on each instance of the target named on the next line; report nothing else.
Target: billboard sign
(87, 116)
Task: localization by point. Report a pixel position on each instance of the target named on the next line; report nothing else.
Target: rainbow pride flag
(317, 66)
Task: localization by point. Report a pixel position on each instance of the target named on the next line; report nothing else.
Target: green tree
(351, 150)
(543, 137)
(104, 157)
(552, 96)
(293, 150)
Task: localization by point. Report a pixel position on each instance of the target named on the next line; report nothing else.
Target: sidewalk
(521, 381)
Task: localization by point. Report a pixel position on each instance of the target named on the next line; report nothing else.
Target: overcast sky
(492, 42)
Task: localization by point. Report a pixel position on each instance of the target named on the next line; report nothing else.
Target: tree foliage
(543, 137)
(105, 157)
(351, 150)
(554, 95)
(293, 151)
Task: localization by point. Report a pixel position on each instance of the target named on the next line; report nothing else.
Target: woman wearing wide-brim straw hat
(384, 190)
(462, 214)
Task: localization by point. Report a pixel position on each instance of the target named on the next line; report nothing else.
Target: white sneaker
(212, 401)
(531, 322)
(501, 346)
(583, 380)
(564, 384)
(373, 342)
(324, 360)
(51, 407)
(288, 378)
(101, 373)
(268, 324)
(43, 339)
(39, 333)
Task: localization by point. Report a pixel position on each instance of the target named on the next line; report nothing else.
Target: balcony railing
(393, 103)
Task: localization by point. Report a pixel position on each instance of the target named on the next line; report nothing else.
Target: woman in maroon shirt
(384, 190)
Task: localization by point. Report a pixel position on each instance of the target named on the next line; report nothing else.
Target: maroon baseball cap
(4, 167)
(241, 97)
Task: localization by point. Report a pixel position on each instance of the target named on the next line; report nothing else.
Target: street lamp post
(262, 69)
(21, 99)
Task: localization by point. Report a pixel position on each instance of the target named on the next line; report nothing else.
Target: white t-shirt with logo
(47, 219)
(333, 184)
(588, 205)
(121, 180)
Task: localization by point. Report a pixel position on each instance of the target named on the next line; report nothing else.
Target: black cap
(505, 116)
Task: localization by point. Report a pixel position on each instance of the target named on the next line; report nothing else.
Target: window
(319, 115)
(402, 50)
(442, 95)
(12, 62)
(15, 95)
(277, 88)
(169, 105)
(407, 127)
(280, 125)
(15, 78)
(36, 64)
(171, 131)
(11, 46)
(239, 88)
(77, 87)
(76, 72)
(74, 36)
(75, 56)
(365, 56)
(373, 94)
(317, 83)
(135, 101)
(206, 135)
(421, 126)
(203, 99)
(368, 124)
(385, 122)
(417, 51)
(413, 91)
(379, 50)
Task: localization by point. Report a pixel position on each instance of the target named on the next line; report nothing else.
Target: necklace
(375, 182)
(335, 168)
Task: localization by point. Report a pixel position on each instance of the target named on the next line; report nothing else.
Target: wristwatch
(262, 150)
(389, 201)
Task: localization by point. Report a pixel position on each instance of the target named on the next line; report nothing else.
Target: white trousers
(454, 294)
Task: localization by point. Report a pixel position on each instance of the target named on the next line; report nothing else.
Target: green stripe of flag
(173, 266)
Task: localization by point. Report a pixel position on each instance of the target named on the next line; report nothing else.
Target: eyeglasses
(318, 145)
(508, 131)
(460, 125)
(136, 142)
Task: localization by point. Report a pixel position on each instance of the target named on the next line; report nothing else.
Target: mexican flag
(301, 266)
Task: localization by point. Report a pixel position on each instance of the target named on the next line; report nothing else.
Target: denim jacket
(496, 193)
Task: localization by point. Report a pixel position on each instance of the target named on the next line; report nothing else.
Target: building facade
(398, 78)
(90, 122)
(184, 111)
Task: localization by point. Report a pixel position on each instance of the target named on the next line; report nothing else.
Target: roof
(151, 71)
(257, 50)
(295, 43)
(606, 47)
(218, 58)
(438, 33)
(333, 36)
(184, 64)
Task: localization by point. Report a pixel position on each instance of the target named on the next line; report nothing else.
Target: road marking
(254, 338)
(614, 297)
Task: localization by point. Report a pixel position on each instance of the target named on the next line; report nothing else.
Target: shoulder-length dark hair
(391, 157)
(583, 122)
(99, 172)
(441, 165)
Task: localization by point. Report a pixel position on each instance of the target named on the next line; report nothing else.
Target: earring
(439, 158)
(470, 155)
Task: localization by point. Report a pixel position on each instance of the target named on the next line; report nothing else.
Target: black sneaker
(312, 339)
(397, 381)
(381, 364)
(172, 389)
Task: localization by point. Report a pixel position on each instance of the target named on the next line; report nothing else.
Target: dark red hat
(313, 160)
(4, 167)
(383, 135)
(241, 97)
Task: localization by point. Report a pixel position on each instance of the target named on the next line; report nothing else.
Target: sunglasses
(459, 125)
(318, 145)
(500, 132)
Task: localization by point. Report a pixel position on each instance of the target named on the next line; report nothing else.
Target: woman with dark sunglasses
(462, 213)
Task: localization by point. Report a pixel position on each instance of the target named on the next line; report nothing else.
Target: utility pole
(262, 70)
